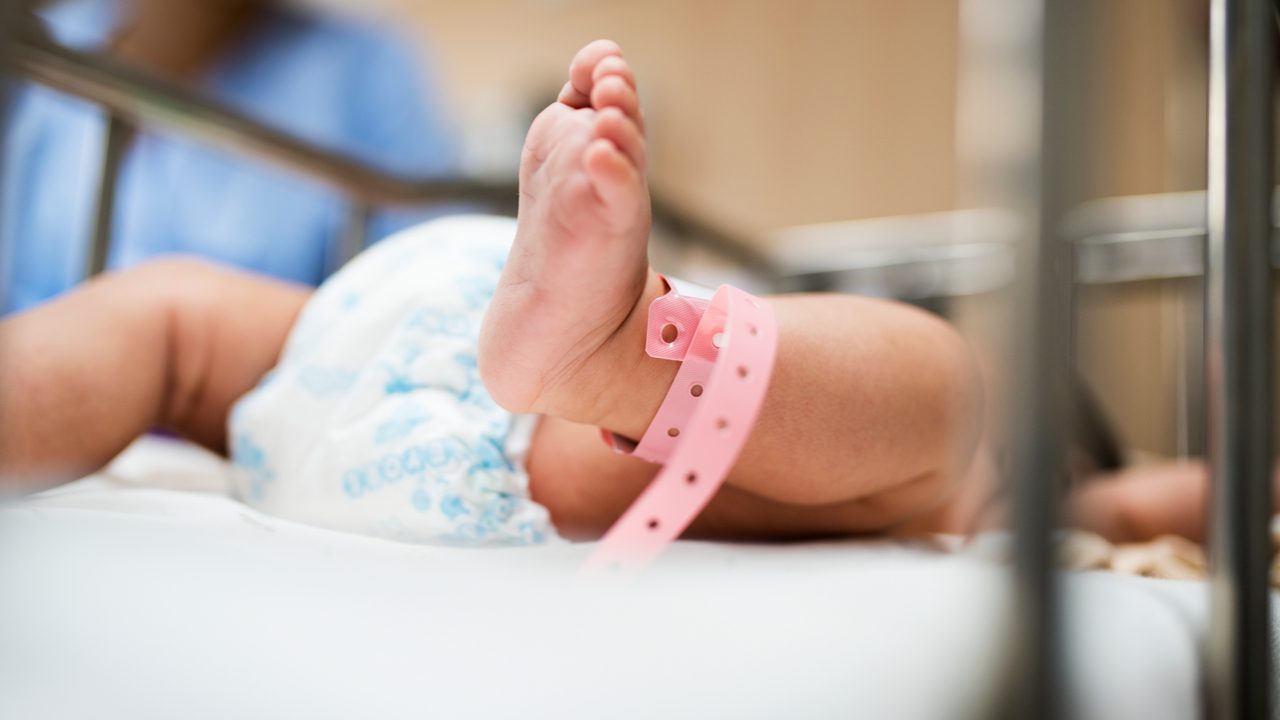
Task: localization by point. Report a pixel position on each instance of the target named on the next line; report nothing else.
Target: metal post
(353, 235)
(8, 19)
(117, 138)
(1238, 332)
(1042, 366)
(1191, 401)
(1022, 114)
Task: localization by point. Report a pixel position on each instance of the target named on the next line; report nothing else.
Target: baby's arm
(168, 344)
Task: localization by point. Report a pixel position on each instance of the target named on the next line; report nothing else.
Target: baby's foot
(579, 263)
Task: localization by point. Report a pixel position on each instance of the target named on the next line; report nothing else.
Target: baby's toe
(613, 91)
(613, 65)
(578, 92)
(613, 125)
(612, 173)
(569, 95)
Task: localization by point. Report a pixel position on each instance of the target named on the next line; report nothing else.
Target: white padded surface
(146, 592)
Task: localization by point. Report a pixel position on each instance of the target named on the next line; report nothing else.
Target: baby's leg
(873, 412)
(586, 487)
(168, 344)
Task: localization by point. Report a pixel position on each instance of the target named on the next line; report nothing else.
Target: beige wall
(1151, 80)
(1149, 129)
(761, 114)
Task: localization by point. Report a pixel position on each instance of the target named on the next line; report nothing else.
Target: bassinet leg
(1238, 353)
(117, 137)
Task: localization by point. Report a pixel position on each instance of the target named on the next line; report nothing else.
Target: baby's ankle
(619, 387)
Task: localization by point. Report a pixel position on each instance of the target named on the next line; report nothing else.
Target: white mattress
(147, 592)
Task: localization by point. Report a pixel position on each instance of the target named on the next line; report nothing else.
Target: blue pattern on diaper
(325, 382)
(349, 300)
(399, 384)
(402, 422)
(452, 507)
(421, 499)
(488, 456)
(434, 321)
(390, 467)
(477, 290)
(252, 461)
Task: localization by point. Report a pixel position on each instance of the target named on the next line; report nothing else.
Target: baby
(450, 384)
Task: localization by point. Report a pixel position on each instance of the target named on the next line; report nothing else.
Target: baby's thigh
(227, 328)
(222, 330)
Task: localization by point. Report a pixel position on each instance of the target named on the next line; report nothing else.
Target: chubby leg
(171, 343)
(586, 487)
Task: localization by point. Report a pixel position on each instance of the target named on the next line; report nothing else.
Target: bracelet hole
(696, 390)
(653, 523)
(691, 478)
(718, 340)
(722, 424)
(669, 333)
(673, 432)
(743, 372)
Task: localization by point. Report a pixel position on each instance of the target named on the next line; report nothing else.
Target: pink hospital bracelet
(668, 334)
(728, 361)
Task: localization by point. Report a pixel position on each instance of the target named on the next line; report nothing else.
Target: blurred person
(354, 88)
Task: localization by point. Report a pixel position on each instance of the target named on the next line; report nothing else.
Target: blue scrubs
(345, 86)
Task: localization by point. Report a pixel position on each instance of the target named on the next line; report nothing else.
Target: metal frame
(8, 20)
(1043, 183)
(1039, 185)
(1238, 355)
(1146, 237)
(135, 99)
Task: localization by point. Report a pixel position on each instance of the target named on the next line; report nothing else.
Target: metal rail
(1038, 427)
(117, 138)
(1145, 237)
(139, 99)
(8, 15)
(1238, 336)
(147, 101)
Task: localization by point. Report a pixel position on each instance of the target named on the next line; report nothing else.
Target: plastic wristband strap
(736, 340)
(669, 332)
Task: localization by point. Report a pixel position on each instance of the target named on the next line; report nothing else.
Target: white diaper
(375, 420)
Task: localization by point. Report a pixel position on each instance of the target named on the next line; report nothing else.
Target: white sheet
(146, 592)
